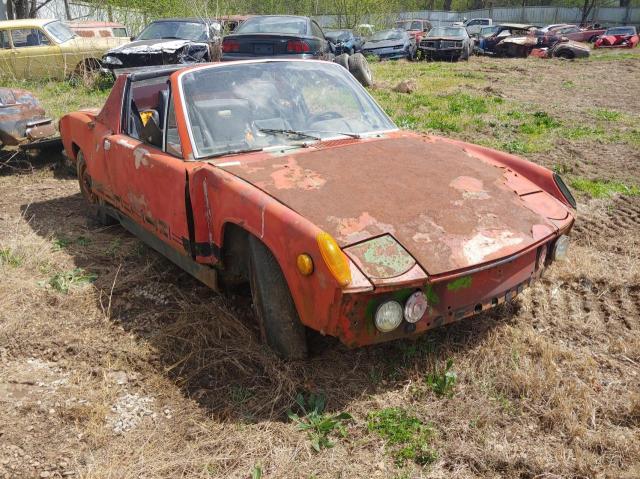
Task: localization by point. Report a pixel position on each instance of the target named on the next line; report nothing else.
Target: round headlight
(415, 307)
(560, 249)
(388, 316)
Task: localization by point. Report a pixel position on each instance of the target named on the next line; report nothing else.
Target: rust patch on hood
(448, 209)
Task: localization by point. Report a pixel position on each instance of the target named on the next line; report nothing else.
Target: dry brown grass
(546, 388)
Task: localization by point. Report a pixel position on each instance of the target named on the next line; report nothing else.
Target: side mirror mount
(132, 38)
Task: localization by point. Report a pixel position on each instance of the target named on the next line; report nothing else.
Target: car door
(35, 55)
(146, 173)
(6, 56)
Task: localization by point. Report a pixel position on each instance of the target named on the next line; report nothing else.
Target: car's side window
(29, 37)
(4, 39)
(316, 31)
(172, 138)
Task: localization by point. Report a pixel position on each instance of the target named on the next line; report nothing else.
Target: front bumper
(442, 52)
(387, 54)
(450, 299)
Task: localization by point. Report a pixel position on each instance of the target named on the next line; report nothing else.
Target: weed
(240, 394)
(318, 424)
(607, 115)
(9, 258)
(463, 103)
(562, 168)
(441, 122)
(62, 282)
(256, 472)
(83, 241)
(61, 243)
(442, 381)
(604, 188)
(580, 132)
(409, 437)
(568, 84)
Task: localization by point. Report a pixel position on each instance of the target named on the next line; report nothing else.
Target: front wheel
(280, 325)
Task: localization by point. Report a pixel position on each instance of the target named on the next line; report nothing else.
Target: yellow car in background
(38, 48)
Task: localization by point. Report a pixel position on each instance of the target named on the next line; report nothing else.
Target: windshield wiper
(232, 152)
(352, 135)
(302, 134)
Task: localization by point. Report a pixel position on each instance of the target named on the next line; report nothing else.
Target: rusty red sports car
(618, 37)
(287, 175)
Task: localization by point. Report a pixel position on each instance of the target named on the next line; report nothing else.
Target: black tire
(96, 205)
(342, 60)
(566, 54)
(359, 68)
(280, 325)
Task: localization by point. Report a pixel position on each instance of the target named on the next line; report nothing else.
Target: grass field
(114, 364)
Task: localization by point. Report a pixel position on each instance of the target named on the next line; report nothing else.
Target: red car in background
(618, 37)
(417, 28)
(577, 34)
(288, 176)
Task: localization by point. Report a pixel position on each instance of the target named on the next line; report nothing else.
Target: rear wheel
(280, 325)
(96, 205)
(359, 68)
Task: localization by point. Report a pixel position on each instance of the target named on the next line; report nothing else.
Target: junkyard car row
(275, 171)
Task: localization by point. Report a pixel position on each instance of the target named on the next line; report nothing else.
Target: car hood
(408, 198)
(152, 46)
(382, 44)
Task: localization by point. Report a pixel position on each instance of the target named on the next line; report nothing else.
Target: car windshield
(252, 106)
(59, 31)
(621, 31)
(446, 32)
(193, 31)
(409, 25)
(285, 25)
(387, 35)
(336, 35)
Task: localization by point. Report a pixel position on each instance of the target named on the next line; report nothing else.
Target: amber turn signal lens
(334, 258)
(305, 264)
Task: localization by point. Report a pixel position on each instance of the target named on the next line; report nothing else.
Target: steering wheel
(324, 116)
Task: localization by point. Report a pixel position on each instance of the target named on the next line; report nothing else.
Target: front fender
(219, 198)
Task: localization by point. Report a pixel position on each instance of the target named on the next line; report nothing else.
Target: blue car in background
(391, 45)
(344, 41)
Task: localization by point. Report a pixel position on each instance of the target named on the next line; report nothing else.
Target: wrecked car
(88, 29)
(575, 33)
(520, 41)
(287, 175)
(391, 45)
(618, 37)
(446, 43)
(344, 41)
(23, 122)
(167, 42)
(417, 28)
(45, 48)
(290, 36)
(508, 40)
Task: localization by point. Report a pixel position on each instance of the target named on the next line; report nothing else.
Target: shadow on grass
(208, 344)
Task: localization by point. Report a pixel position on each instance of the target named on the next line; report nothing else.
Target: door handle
(106, 144)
